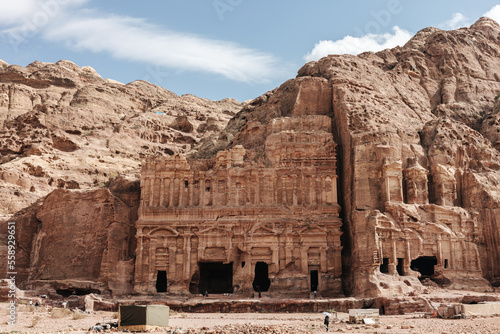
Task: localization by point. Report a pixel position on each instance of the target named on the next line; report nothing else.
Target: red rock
(413, 129)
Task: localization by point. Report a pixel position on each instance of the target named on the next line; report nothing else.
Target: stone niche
(233, 226)
(415, 183)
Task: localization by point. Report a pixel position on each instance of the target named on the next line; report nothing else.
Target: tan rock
(394, 152)
(62, 109)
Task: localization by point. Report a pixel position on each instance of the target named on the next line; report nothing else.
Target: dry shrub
(34, 321)
(78, 316)
(58, 313)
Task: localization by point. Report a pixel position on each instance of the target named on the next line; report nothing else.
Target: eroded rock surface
(419, 175)
(62, 126)
(362, 176)
(82, 241)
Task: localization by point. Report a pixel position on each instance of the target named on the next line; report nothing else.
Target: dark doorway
(445, 263)
(424, 265)
(77, 291)
(384, 267)
(161, 281)
(261, 280)
(216, 277)
(400, 266)
(314, 280)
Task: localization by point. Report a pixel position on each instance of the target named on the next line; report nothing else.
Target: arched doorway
(261, 280)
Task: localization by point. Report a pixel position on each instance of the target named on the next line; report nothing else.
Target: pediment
(213, 230)
(313, 229)
(164, 231)
(261, 229)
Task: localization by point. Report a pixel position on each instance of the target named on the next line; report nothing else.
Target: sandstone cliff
(416, 130)
(62, 126)
(79, 241)
(419, 175)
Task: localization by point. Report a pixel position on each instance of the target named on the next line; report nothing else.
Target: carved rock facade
(227, 225)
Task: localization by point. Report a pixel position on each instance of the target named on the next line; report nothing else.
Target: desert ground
(54, 320)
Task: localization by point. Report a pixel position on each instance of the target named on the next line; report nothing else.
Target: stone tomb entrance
(216, 277)
(261, 281)
(314, 280)
(161, 281)
(424, 265)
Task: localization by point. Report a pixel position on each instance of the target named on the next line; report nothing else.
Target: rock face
(62, 126)
(81, 241)
(360, 176)
(418, 172)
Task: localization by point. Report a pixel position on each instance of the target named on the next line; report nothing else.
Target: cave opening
(216, 277)
(424, 265)
(261, 280)
(161, 281)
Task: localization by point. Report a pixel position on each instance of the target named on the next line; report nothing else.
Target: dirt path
(41, 320)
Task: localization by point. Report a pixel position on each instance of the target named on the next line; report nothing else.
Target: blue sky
(215, 48)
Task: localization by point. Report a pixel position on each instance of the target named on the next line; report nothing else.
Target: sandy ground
(41, 320)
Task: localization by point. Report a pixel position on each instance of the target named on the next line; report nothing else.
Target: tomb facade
(229, 225)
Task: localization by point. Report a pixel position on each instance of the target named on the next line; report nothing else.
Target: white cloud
(494, 13)
(133, 39)
(458, 20)
(16, 10)
(33, 11)
(356, 45)
(125, 37)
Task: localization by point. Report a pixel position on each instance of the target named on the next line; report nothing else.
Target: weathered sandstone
(361, 176)
(62, 126)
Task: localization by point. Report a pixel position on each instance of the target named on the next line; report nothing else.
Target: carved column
(187, 257)
(172, 192)
(275, 259)
(146, 261)
(439, 251)
(407, 257)
(180, 191)
(257, 188)
(295, 188)
(312, 190)
(151, 191)
(465, 254)
(202, 192)
(394, 259)
(304, 268)
(190, 190)
(322, 258)
(138, 261)
(323, 190)
(334, 189)
(166, 190)
(162, 190)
